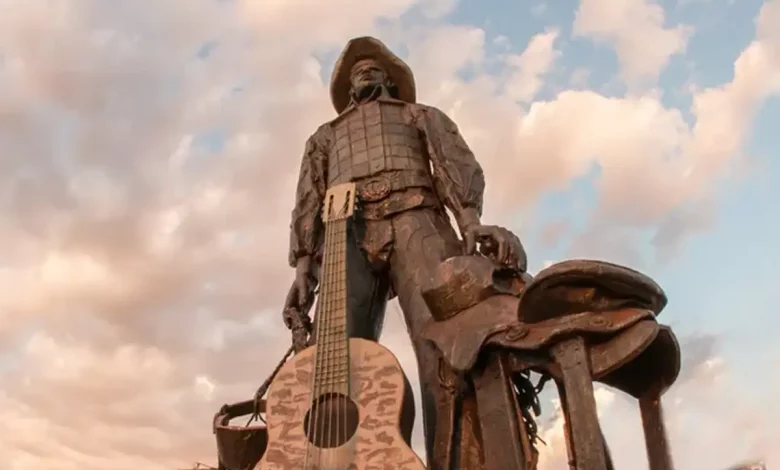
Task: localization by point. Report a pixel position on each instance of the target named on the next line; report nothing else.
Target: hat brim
(369, 47)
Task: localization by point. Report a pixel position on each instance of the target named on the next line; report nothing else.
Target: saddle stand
(578, 322)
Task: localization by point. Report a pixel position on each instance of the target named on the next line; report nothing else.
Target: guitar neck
(331, 368)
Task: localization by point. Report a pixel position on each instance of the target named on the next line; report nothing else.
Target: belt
(412, 198)
(378, 187)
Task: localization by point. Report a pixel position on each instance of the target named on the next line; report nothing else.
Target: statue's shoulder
(423, 107)
(432, 113)
(346, 112)
(319, 139)
(420, 108)
(322, 133)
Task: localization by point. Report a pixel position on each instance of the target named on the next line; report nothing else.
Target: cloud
(150, 159)
(636, 30)
(529, 68)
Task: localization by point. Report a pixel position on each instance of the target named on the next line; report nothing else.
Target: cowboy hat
(363, 48)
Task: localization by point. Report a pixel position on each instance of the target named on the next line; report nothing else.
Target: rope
(300, 325)
(528, 399)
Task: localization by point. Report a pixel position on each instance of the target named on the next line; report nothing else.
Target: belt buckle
(375, 189)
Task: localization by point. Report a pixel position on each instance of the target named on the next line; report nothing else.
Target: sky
(148, 158)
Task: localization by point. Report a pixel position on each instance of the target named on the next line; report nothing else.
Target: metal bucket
(240, 447)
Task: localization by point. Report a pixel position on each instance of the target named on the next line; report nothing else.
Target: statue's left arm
(457, 176)
(460, 184)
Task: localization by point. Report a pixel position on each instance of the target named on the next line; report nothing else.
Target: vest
(373, 138)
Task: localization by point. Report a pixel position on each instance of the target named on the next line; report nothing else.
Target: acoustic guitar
(344, 403)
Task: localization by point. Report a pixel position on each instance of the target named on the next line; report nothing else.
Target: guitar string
(322, 345)
(325, 346)
(331, 342)
(344, 336)
(340, 304)
(334, 303)
(312, 424)
(328, 366)
(328, 340)
(344, 398)
(333, 338)
(336, 336)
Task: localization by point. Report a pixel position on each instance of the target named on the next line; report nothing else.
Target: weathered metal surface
(588, 286)
(462, 282)
(239, 447)
(659, 454)
(505, 442)
(527, 337)
(492, 316)
(657, 366)
(610, 355)
(593, 321)
(576, 386)
(373, 138)
(385, 417)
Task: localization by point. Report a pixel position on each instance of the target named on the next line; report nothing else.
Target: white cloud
(529, 68)
(636, 30)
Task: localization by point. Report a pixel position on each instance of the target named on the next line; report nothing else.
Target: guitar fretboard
(331, 368)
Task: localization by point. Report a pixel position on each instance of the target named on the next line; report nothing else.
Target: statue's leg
(367, 284)
(423, 239)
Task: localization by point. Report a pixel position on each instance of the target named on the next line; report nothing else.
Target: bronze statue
(408, 162)
(479, 324)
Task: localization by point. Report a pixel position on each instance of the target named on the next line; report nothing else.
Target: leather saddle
(513, 310)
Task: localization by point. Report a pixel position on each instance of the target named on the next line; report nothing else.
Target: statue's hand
(300, 295)
(497, 243)
(301, 292)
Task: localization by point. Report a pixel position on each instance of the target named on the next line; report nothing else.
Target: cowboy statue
(409, 163)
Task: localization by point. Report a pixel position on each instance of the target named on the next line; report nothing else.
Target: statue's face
(367, 73)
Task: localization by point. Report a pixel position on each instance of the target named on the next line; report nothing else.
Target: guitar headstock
(339, 202)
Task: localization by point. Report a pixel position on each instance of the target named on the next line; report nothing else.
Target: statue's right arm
(306, 225)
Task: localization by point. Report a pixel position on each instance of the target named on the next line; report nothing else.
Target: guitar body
(345, 403)
(372, 432)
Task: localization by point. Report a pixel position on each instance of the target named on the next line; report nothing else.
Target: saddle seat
(476, 305)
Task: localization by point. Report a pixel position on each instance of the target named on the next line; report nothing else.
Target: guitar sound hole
(331, 421)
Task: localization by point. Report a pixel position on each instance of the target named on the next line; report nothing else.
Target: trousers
(398, 254)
